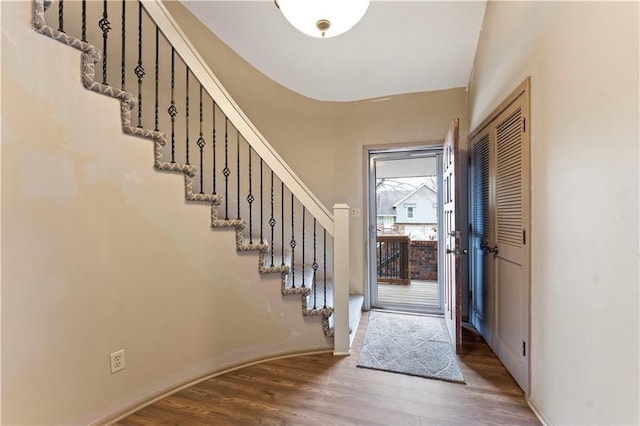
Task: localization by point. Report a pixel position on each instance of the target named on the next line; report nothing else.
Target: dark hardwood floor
(328, 390)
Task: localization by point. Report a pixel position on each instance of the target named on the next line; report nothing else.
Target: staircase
(134, 52)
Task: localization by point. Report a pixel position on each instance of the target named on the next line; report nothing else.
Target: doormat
(409, 344)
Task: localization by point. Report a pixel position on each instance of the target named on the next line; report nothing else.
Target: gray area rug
(409, 344)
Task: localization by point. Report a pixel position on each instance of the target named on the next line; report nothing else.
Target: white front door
(452, 235)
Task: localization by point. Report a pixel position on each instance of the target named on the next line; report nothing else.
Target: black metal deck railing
(392, 256)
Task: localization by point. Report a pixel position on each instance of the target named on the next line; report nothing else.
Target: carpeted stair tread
(317, 295)
(295, 278)
(253, 244)
(279, 266)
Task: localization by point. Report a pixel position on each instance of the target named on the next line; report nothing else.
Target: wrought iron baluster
(386, 260)
(84, 20)
(105, 26)
(157, 78)
(173, 111)
(282, 220)
(324, 265)
(123, 62)
(61, 16)
(187, 115)
(201, 143)
(304, 214)
(395, 259)
(238, 169)
(139, 69)
(261, 205)
(213, 148)
(226, 172)
(293, 244)
(314, 265)
(272, 221)
(394, 252)
(250, 199)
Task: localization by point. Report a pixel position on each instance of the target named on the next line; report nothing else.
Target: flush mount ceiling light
(323, 18)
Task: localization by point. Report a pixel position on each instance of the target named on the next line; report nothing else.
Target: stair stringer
(92, 55)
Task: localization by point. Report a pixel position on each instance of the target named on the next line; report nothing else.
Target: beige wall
(583, 61)
(100, 252)
(323, 141)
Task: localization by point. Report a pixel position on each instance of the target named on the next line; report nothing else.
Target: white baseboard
(538, 412)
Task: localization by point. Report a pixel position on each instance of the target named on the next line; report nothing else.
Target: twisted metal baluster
(105, 26)
(292, 244)
(226, 172)
(157, 78)
(123, 59)
(304, 214)
(173, 111)
(139, 70)
(187, 116)
(314, 265)
(272, 221)
(84, 20)
(250, 199)
(282, 220)
(325, 268)
(201, 143)
(238, 170)
(261, 205)
(61, 16)
(213, 139)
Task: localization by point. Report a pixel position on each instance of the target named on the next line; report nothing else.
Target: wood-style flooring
(421, 293)
(328, 390)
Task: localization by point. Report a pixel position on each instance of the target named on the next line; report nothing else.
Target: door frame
(388, 152)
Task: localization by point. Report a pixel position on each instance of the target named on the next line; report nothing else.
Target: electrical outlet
(355, 212)
(117, 361)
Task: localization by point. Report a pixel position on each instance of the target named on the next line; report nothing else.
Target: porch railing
(392, 255)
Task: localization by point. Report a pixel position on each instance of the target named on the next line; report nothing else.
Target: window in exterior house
(410, 212)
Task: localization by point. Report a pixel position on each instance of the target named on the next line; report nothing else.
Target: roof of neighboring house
(424, 185)
(385, 200)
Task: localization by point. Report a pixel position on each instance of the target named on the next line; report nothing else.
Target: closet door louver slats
(481, 219)
(509, 180)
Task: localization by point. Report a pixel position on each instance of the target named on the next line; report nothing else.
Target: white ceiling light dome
(323, 18)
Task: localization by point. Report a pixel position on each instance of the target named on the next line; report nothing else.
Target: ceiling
(398, 47)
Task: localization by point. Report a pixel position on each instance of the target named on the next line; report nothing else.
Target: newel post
(341, 279)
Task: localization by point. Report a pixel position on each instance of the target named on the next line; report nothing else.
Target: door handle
(493, 250)
(457, 252)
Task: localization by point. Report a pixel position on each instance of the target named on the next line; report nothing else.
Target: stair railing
(146, 61)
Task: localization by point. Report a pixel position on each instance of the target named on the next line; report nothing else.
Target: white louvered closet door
(481, 263)
(509, 251)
